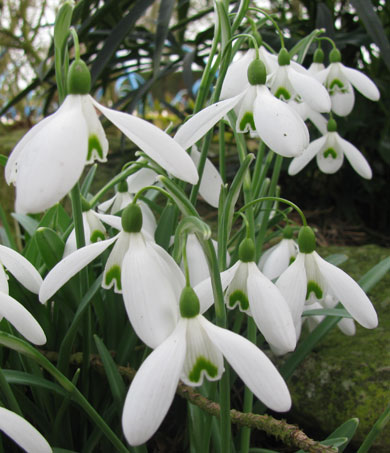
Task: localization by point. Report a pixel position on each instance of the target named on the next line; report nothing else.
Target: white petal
(21, 269)
(113, 267)
(362, 83)
(98, 143)
(21, 319)
(245, 119)
(293, 286)
(197, 126)
(298, 163)
(355, 158)
(203, 358)
(347, 326)
(197, 262)
(342, 103)
(158, 145)
(148, 220)
(149, 294)
(236, 78)
(319, 121)
(278, 125)
(279, 259)
(348, 293)
(311, 91)
(3, 280)
(53, 160)
(211, 182)
(270, 310)
(322, 75)
(152, 391)
(330, 164)
(253, 366)
(22, 432)
(112, 220)
(70, 266)
(142, 178)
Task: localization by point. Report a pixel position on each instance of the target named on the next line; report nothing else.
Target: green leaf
(88, 181)
(375, 274)
(371, 21)
(164, 16)
(115, 380)
(62, 25)
(301, 48)
(23, 378)
(166, 226)
(341, 312)
(378, 427)
(3, 160)
(224, 24)
(336, 259)
(347, 430)
(27, 222)
(50, 246)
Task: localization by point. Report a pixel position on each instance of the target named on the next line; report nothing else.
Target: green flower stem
(289, 434)
(274, 23)
(244, 5)
(76, 44)
(375, 430)
(222, 151)
(261, 169)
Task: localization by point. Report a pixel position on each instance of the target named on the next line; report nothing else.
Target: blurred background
(148, 55)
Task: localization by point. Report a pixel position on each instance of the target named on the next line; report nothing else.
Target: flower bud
(79, 78)
(335, 56)
(257, 73)
(246, 251)
(306, 240)
(132, 219)
(283, 57)
(189, 303)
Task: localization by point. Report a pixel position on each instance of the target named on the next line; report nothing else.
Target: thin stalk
(375, 430)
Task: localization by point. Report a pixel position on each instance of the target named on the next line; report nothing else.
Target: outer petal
(97, 140)
(197, 262)
(21, 319)
(3, 280)
(253, 366)
(53, 160)
(279, 259)
(113, 267)
(361, 82)
(150, 295)
(236, 79)
(69, 267)
(245, 120)
(153, 388)
(197, 126)
(355, 158)
(203, 358)
(270, 310)
(211, 182)
(278, 125)
(21, 269)
(311, 90)
(301, 161)
(142, 178)
(158, 145)
(349, 293)
(22, 432)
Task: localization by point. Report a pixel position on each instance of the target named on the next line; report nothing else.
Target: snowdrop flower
(278, 125)
(276, 259)
(195, 350)
(318, 62)
(137, 267)
(22, 432)
(10, 308)
(340, 80)
(49, 160)
(290, 82)
(254, 294)
(122, 199)
(329, 151)
(312, 279)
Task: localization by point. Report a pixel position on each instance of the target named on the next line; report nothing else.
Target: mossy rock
(347, 377)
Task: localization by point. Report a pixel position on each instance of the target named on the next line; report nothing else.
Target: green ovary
(96, 236)
(94, 145)
(330, 152)
(282, 93)
(240, 297)
(312, 287)
(202, 364)
(247, 119)
(114, 273)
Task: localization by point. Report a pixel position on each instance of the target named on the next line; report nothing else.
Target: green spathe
(132, 219)
(306, 240)
(79, 78)
(246, 251)
(257, 74)
(189, 303)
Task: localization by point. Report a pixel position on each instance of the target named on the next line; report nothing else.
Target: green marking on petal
(312, 287)
(247, 119)
(202, 364)
(114, 273)
(336, 85)
(97, 235)
(240, 297)
(330, 152)
(292, 259)
(282, 93)
(94, 145)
